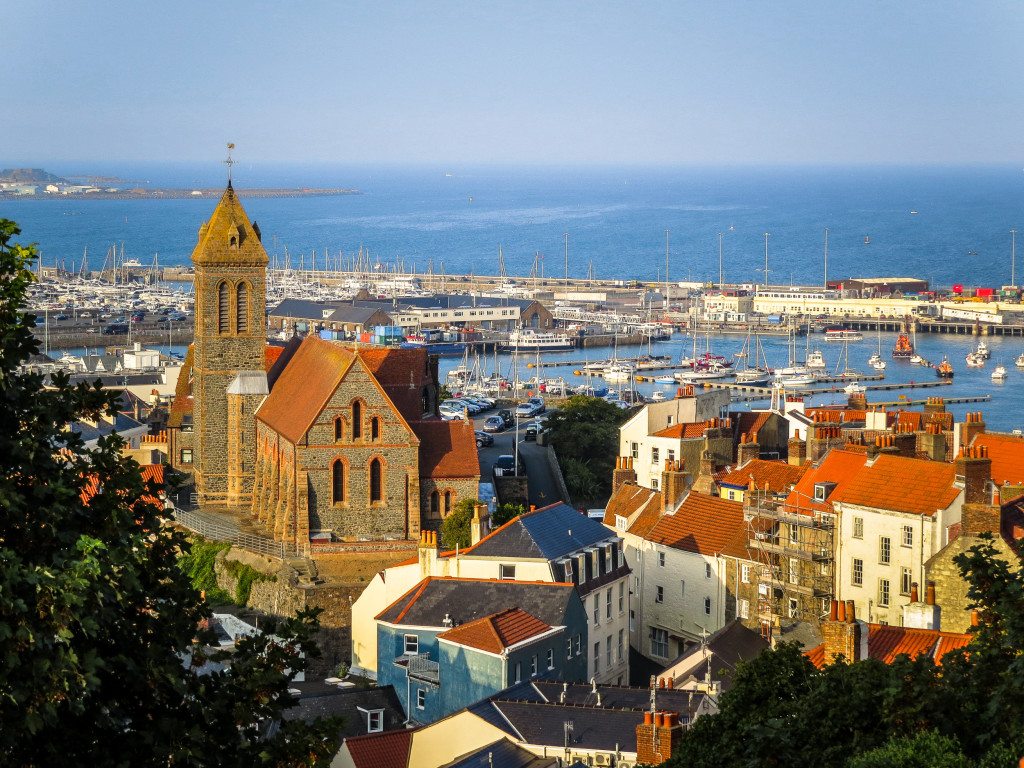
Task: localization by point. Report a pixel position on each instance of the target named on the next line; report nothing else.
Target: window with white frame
(579, 646)
(908, 536)
(518, 676)
(858, 527)
(654, 484)
(659, 642)
(421, 698)
(659, 594)
(707, 606)
(621, 523)
(884, 550)
(905, 581)
(794, 534)
(707, 570)
(608, 603)
(794, 607)
(632, 620)
(412, 644)
(794, 570)
(622, 597)
(743, 609)
(533, 665)
(671, 454)
(551, 658)
(745, 573)
(568, 648)
(883, 593)
(374, 720)
(654, 455)
(635, 450)
(507, 572)
(857, 572)
(597, 609)
(661, 559)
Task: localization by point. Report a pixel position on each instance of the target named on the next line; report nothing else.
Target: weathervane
(229, 162)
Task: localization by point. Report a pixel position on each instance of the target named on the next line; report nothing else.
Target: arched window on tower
(376, 481)
(357, 419)
(222, 308)
(242, 308)
(339, 428)
(374, 429)
(338, 481)
(447, 502)
(435, 503)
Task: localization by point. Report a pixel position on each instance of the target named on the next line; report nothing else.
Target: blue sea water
(616, 219)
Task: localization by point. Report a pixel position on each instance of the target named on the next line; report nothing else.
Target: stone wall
(950, 587)
(459, 488)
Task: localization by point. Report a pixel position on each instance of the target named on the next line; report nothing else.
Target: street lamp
(515, 445)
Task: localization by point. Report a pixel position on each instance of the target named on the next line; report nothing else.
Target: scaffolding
(793, 548)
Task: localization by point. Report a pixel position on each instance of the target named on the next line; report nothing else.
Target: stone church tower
(228, 374)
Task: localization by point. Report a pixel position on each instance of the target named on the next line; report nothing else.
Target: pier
(750, 392)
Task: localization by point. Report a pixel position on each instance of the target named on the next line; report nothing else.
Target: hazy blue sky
(514, 82)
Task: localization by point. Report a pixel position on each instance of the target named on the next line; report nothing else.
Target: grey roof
(549, 533)
(318, 699)
(429, 602)
(338, 311)
(249, 383)
(122, 423)
(101, 363)
(448, 301)
(534, 713)
(502, 754)
(727, 647)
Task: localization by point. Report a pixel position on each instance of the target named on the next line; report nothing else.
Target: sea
(947, 225)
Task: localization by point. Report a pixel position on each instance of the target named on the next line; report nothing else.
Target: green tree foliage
(456, 529)
(506, 512)
(198, 565)
(100, 630)
(782, 711)
(585, 434)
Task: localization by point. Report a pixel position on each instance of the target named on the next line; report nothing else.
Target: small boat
(903, 349)
(982, 350)
(944, 370)
(657, 397)
(853, 388)
(619, 372)
(664, 380)
(973, 361)
(867, 240)
(1020, 360)
(815, 360)
(999, 374)
(875, 358)
(842, 334)
(753, 377)
(879, 365)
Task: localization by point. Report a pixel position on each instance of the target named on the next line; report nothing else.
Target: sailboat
(753, 374)
(876, 361)
(843, 369)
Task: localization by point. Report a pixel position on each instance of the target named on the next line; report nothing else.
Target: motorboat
(973, 361)
(664, 380)
(982, 350)
(903, 349)
(816, 361)
(999, 373)
(843, 334)
(944, 370)
(657, 396)
(1020, 360)
(853, 388)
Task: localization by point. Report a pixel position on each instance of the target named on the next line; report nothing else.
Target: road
(543, 489)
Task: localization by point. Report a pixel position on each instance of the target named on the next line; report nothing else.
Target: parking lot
(543, 489)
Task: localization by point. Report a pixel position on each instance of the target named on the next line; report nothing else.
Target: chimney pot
(648, 718)
(914, 595)
(975, 618)
(930, 593)
(851, 612)
(833, 612)
(841, 611)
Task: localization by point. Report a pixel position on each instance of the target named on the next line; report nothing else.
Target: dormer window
(823, 490)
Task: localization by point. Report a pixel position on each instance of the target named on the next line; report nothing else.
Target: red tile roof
(750, 422)
(150, 473)
(629, 500)
(706, 525)
(777, 476)
(304, 387)
(685, 430)
(403, 375)
(901, 484)
(886, 642)
(447, 449)
(270, 355)
(497, 632)
(838, 467)
(381, 750)
(1007, 454)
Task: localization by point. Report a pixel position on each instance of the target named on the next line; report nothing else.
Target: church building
(338, 442)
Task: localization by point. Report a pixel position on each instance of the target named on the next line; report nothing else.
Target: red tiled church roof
(447, 449)
(497, 632)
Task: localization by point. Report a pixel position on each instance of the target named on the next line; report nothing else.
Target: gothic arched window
(338, 481)
(376, 481)
(242, 308)
(357, 419)
(223, 312)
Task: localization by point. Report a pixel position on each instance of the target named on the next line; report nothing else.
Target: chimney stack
(841, 633)
(974, 470)
(657, 736)
(974, 425)
(747, 449)
(933, 441)
(905, 441)
(428, 552)
(674, 484)
(623, 473)
(926, 615)
(797, 450)
(935, 405)
(478, 523)
(705, 481)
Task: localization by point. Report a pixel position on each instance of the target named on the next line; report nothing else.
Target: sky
(533, 83)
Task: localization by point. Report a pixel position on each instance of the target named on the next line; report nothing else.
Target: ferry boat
(944, 370)
(999, 374)
(843, 334)
(537, 341)
(903, 349)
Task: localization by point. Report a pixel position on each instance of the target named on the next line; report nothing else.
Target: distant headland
(36, 184)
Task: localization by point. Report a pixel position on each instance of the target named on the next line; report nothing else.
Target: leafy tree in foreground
(585, 434)
(99, 627)
(782, 711)
(456, 529)
(506, 512)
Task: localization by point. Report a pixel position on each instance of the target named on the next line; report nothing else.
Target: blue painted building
(448, 642)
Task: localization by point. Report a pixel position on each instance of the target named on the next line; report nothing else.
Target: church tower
(228, 374)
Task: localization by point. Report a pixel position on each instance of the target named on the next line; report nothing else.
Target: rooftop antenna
(229, 162)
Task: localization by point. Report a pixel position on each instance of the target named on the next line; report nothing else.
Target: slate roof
(705, 525)
(497, 632)
(381, 750)
(465, 600)
(548, 533)
(338, 311)
(1007, 455)
(502, 754)
(727, 647)
(901, 484)
(886, 643)
(318, 699)
(122, 423)
(304, 387)
(447, 448)
(775, 475)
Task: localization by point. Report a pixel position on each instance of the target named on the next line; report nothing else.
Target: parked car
(449, 413)
(494, 424)
(525, 410)
(506, 416)
(482, 404)
(530, 433)
(505, 465)
(483, 439)
(538, 402)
